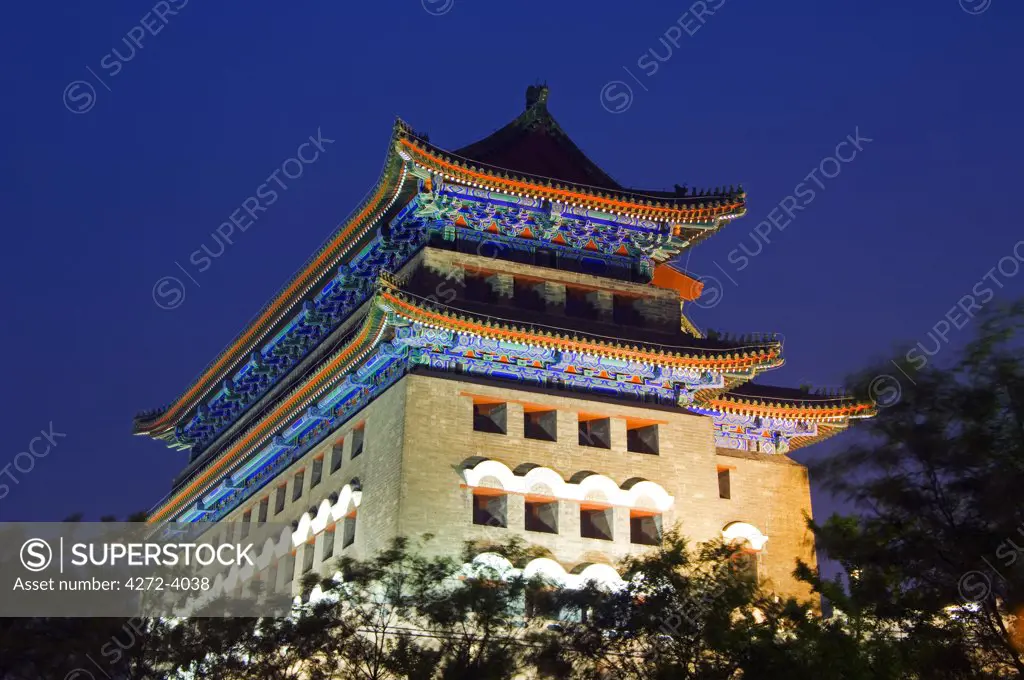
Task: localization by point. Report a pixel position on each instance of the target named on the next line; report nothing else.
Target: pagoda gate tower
(495, 343)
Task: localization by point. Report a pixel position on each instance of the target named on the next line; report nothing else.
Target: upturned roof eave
(159, 422)
(389, 304)
(652, 205)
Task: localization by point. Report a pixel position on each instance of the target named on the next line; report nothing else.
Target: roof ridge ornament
(537, 96)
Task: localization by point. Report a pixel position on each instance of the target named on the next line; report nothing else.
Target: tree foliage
(937, 478)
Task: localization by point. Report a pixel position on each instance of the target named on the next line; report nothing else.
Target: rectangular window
(542, 515)
(642, 438)
(624, 311)
(538, 424)
(308, 553)
(289, 568)
(724, 483)
(272, 578)
(300, 478)
(644, 527)
(246, 520)
(542, 603)
(490, 508)
(328, 544)
(336, 453)
(477, 288)
(525, 295)
(595, 431)
(350, 530)
(279, 500)
(596, 521)
(577, 304)
(358, 435)
(490, 417)
(264, 506)
(318, 472)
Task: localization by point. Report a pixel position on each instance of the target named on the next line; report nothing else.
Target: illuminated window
(328, 539)
(747, 541)
(490, 417)
(318, 472)
(642, 438)
(596, 521)
(358, 436)
(644, 527)
(272, 577)
(336, 453)
(490, 508)
(289, 568)
(246, 520)
(542, 514)
(541, 425)
(595, 431)
(308, 551)
(745, 561)
(349, 529)
(724, 483)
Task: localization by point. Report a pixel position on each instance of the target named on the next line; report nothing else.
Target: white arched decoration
(318, 594)
(226, 582)
(592, 484)
(543, 481)
(308, 527)
(327, 513)
(547, 569)
(741, 531)
(489, 561)
(603, 575)
(601, 489)
(654, 493)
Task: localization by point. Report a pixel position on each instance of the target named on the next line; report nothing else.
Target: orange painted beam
(669, 277)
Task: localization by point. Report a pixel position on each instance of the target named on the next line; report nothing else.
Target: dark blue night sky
(98, 206)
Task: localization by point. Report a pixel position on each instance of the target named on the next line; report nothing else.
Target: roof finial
(536, 94)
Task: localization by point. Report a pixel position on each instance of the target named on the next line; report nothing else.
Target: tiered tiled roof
(722, 356)
(392, 306)
(542, 162)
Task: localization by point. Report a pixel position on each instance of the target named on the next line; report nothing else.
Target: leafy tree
(682, 614)
(408, 616)
(934, 555)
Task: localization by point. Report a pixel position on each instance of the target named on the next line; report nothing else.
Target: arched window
(749, 542)
(745, 561)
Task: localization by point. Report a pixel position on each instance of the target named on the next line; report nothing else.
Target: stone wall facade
(419, 438)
